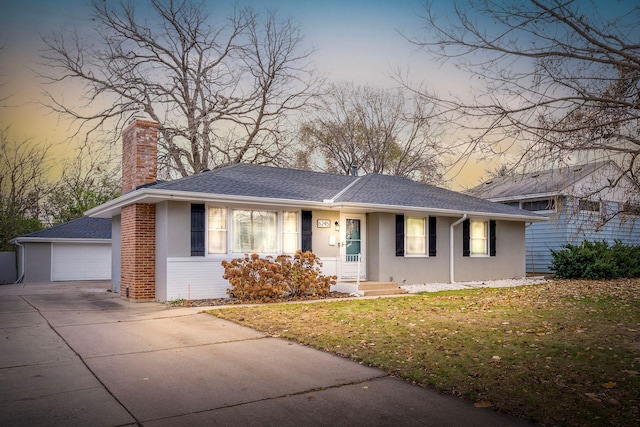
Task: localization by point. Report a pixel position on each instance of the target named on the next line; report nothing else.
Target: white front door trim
(353, 267)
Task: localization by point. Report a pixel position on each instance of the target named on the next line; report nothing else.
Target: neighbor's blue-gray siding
(570, 227)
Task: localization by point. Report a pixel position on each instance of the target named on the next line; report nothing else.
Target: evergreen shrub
(596, 260)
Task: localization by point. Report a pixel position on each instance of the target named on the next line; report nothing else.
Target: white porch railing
(351, 268)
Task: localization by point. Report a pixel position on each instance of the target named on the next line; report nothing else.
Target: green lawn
(561, 353)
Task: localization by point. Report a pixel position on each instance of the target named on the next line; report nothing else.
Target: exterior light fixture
(337, 224)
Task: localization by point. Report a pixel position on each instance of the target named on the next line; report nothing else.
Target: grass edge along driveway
(559, 353)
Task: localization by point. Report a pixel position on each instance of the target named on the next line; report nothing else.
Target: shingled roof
(80, 228)
(553, 182)
(376, 189)
(250, 180)
(261, 181)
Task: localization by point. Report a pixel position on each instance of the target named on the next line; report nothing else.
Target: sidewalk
(75, 354)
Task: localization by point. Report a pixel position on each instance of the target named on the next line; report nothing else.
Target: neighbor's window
(289, 232)
(589, 206)
(512, 204)
(479, 233)
(217, 226)
(416, 236)
(254, 231)
(631, 209)
(539, 205)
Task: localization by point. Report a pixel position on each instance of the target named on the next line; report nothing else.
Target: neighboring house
(169, 238)
(577, 210)
(76, 250)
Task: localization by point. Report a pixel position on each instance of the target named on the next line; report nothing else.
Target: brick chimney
(139, 154)
(138, 220)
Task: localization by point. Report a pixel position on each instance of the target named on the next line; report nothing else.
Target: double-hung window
(479, 238)
(217, 230)
(479, 235)
(289, 232)
(416, 235)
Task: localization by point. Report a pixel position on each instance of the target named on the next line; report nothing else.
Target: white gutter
(113, 207)
(525, 196)
(148, 195)
(18, 240)
(451, 247)
(371, 207)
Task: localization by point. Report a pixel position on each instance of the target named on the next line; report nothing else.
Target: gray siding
(507, 264)
(383, 265)
(8, 271)
(320, 236)
(162, 248)
(116, 251)
(37, 262)
(179, 233)
(173, 239)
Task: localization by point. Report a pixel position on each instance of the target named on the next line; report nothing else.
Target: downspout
(21, 250)
(533, 263)
(451, 247)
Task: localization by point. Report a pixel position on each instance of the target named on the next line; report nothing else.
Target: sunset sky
(356, 40)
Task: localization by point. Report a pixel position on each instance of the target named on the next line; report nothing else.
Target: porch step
(375, 286)
(380, 288)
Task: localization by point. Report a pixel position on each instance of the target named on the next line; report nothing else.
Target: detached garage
(76, 250)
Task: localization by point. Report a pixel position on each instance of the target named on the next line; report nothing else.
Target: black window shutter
(492, 238)
(399, 235)
(197, 230)
(432, 236)
(306, 231)
(466, 237)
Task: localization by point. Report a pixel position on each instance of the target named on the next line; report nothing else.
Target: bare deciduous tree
(375, 130)
(3, 96)
(559, 79)
(221, 92)
(23, 169)
(89, 178)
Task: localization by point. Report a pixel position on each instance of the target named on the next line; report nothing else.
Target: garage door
(80, 261)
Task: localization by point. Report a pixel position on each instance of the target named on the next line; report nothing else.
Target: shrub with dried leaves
(253, 278)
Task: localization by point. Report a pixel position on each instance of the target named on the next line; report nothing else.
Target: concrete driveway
(75, 354)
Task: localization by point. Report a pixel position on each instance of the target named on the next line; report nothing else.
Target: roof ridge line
(341, 192)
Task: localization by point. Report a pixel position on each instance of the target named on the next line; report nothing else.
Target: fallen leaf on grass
(483, 404)
(593, 396)
(610, 384)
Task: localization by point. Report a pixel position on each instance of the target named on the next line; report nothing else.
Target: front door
(353, 246)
